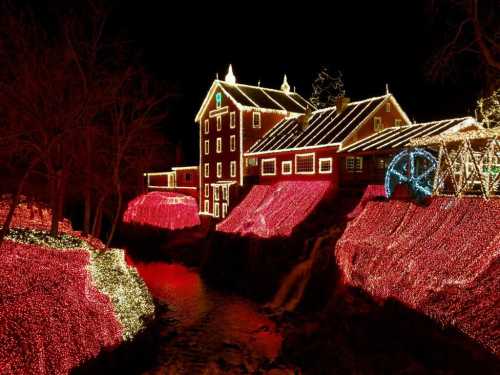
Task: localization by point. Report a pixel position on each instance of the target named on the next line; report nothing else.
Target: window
(232, 167)
(219, 169)
(207, 170)
(325, 165)
(232, 120)
(286, 167)
(207, 146)
(207, 126)
(256, 120)
(381, 163)
(218, 100)
(268, 167)
(377, 124)
(388, 106)
(252, 162)
(216, 192)
(397, 122)
(207, 190)
(207, 205)
(232, 142)
(354, 163)
(224, 209)
(225, 192)
(304, 164)
(216, 209)
(219, 145)
(219, 123)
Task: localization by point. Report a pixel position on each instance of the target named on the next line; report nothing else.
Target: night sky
(373, 43)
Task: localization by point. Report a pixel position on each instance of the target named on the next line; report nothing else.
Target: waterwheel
(414, 168)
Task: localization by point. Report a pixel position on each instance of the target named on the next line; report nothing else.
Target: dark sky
(185, 44)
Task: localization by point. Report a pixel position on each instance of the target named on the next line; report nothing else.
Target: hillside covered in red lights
(441, 260)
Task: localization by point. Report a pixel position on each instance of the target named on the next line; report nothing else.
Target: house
(180, 180)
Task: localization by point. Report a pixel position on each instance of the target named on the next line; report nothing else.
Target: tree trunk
(117, 214)
(57, 201)
(87, 211)
(96, 226)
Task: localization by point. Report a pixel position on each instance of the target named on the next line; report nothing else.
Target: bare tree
(326, 89)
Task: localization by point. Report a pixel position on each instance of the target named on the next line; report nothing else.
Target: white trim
(232, 168)
(206, 170)
(216, 189)
(185, 168)
(245, 95)
(291, 149)
(313, 163)
(216, 209)
(224, 209)
(397, 122)
(218, 145)
(206, 147)
(173, 187)
(207, 126)
(286, 162)
(206, 205)
(219, 123)
(240, 151)
(215, 84)
(322, 160)
(232, 143)
(219, 169)
(272, 99)
(377, 124)
(206, 187)
(218, 112)
(262, 167)
(387, 107)
(232, 120)
(254, 115)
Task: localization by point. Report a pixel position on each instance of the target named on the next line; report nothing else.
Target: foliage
(489, 109)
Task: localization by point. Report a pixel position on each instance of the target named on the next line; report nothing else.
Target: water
(206, 331)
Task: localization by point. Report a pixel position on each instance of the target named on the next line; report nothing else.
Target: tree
(326, 89)
(488, 109)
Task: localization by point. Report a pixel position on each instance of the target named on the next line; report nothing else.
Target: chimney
(341, 103)
(304, 119)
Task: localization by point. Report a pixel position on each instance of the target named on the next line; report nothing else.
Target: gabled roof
(400, 136)
(326, 126)
(256, 97)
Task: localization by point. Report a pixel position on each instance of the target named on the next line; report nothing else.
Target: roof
(479, 134)
(400, 136)
(249, 97)
(326, 127)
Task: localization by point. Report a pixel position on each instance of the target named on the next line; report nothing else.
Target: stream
(206, 331)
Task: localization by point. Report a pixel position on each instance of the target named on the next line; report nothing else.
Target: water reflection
(207, 330)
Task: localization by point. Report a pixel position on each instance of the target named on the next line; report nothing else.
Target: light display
(414, 168)
(166, 210)
(371, 192)
(275, 210)
(441, 260)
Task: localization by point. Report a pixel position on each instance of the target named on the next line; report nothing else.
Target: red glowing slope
(52, 317)
(275, 210)
(371, 192)
(441, 260)
(164, 210)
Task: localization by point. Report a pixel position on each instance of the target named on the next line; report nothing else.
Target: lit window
(252, 162)
(224, 209)
(219, 169)
(216, 192)
(388, 106)
(207, 126)
(219, 123)
(397, 122)
(256, 120)
(377, 124)
(232, 142)
(219, 145)
(233, 168)
(286, 167)
(207, 146)
(207, 190)
(232, 120)
(224, 192)
(216, 209)
(268, 167)
(207, 205)
(325, 165)
(207, 170)
(354, 163)
(304, 164)
(381, 163)
(218, 100)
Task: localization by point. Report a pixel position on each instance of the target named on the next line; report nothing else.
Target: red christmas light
(371, 192)
(275, 210)
(165, 210)
(441, 260)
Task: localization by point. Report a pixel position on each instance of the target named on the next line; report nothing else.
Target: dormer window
(256, 120)
(377, 124)
(218, 100)
(388, 106)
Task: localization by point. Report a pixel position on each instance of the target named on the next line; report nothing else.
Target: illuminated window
(207, 126)
(219, 169)
(286, 167)
(207, 146)
(388, 106)
(207, 205)
(207, 170)
(216, 192)
(268, 167)
(256, 120)
(252, 162)
(225, 192)
(232, 142)
(218, 100)
(207, 190)
(219, 145)
(377, 124)
(325, 165)
(224, 209)
(381, 163)
(232, 120)
(304, 163)
(397, 122)
(232, 166)
(219, 123)
(354, 163)
(216, 209)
